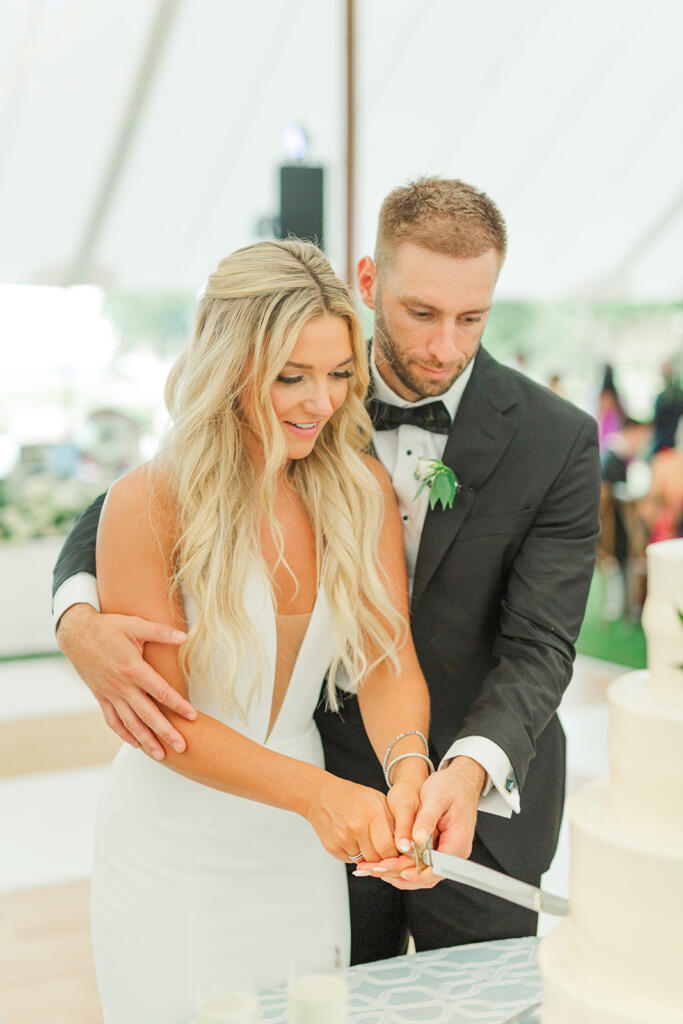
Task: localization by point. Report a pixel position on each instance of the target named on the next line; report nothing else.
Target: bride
(265, 532)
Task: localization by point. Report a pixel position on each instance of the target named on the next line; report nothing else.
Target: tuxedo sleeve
(78, 552)
(542, 608)
(500, 795)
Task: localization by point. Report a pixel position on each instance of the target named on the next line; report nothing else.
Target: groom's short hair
(444, 215)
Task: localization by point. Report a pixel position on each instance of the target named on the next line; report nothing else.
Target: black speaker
(301, 203)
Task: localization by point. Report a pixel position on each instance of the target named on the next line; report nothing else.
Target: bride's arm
(389, 703)
(134, 571)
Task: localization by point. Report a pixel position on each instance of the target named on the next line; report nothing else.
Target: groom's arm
(106, 650)
(73, 577)
(541, 613)
(542, 608)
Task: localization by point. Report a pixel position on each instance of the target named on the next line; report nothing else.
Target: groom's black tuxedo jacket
(500, 588)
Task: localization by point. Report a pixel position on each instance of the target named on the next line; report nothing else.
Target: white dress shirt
(399, 450)
(80, 588)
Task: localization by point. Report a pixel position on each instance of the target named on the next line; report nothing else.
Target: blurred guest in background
(668, 409)
(623, 536)
(610, 413)
(555, 385)
(622, 448)
(662, 508)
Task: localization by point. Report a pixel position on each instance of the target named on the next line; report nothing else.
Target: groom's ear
(366, 275)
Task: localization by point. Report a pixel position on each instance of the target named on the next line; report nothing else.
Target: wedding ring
(359, 856)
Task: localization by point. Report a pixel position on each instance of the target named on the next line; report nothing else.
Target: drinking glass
(318, 992)
(236, 1007)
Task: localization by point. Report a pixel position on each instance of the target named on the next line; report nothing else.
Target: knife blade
(467, 872)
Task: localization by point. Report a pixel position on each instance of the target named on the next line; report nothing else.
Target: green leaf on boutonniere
(441, 480)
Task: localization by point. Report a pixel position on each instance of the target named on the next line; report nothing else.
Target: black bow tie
(434, 416)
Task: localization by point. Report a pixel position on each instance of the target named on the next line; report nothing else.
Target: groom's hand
(403, 800)
(106, 651)
(448, 805)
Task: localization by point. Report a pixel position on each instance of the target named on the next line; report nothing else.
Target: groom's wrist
(469, 772)
(71, 622)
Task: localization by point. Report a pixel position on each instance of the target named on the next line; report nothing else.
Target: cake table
(488, 982)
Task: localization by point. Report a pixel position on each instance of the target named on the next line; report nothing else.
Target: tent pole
(350, 140)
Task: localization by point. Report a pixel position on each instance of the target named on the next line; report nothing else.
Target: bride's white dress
(195, 890)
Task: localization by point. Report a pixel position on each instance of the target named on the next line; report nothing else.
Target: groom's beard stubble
(401, 365)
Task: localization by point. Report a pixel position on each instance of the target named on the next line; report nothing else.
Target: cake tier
(662, 620)
(646, 756)
(665, 570)
(627, 899)
(575, 993)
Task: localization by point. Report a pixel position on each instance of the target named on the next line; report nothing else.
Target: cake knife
(467, 872)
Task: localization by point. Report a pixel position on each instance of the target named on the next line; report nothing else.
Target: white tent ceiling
(139, 139)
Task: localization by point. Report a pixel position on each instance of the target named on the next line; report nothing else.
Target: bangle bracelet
(401, 735)
(402, 757)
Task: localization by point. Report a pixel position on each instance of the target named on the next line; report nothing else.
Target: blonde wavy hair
(255, 305)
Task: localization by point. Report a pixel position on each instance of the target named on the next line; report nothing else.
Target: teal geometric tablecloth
(489, 983)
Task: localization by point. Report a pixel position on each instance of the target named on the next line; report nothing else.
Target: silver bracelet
(401, 735)
(402, 757)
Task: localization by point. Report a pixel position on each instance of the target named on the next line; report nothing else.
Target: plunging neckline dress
(195, 890)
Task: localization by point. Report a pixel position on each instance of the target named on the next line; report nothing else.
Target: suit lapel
(481, 431)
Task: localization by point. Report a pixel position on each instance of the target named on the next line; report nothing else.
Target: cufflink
(510, 785)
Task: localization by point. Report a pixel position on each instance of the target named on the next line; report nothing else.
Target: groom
(499, 581)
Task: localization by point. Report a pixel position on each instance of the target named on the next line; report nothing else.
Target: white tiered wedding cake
(618, 958)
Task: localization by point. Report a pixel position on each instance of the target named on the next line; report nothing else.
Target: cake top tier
(665, 571)
(663, 618)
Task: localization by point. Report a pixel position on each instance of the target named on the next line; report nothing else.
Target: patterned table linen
(488, 982)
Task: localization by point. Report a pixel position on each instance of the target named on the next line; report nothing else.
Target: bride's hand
(404, 802)
(350, 819)
(403, 799)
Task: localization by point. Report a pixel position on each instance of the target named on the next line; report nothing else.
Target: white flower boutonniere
(442, 482)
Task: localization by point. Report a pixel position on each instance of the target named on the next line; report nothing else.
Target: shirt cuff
(500, 794)
(80, 588)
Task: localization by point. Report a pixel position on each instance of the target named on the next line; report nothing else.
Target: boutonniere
(442, 482)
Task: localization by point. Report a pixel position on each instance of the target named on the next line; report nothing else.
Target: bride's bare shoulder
(145, 485)
(142, 500)
(135, 548)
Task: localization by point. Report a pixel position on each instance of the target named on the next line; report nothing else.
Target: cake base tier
(646, 755)
(575, 993)
(626, 898)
